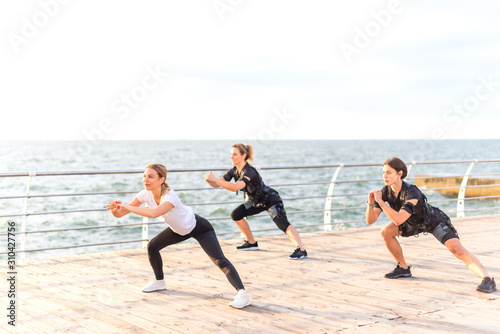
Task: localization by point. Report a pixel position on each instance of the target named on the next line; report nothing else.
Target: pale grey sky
(229, 69)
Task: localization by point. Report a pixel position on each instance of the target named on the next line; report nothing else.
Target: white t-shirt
(180, 219)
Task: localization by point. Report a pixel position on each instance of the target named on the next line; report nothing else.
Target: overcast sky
(268, 69)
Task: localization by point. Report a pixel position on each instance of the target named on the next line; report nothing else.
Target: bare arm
(216, 183)
(213, 184)
(117, 210)
(160, 210)
(209, 177)
(372, 212)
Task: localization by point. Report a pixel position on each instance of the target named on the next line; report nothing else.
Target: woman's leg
(457, 249)
(239, 216)
(389, 233)
(278, 215)
(163, 239)
(448, 236)
(205, 235)
(294, 236)
(245, 229)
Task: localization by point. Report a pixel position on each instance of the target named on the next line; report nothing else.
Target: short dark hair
(398, 165)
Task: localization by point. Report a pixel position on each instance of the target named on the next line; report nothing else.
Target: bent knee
(235, 216)
(152, 248)
(389, 231)
(238, 214)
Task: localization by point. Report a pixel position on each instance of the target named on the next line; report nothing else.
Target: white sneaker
(241, 300)
(155, 285)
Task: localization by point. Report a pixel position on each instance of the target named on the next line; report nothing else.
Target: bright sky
(242, 69)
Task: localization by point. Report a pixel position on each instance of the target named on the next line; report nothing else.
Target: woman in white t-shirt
(164, 204)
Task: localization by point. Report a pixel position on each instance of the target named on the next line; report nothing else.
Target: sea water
(135, 155)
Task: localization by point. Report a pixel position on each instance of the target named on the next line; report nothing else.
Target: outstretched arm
(116, 207)
(216, 183)
(160, 210)
(212, 183)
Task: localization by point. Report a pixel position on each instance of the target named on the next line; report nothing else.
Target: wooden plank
(149, 294)
(339, 288)
(95, 304)
(42, 320)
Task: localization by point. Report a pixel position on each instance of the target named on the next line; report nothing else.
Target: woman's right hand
(210, 177)
(113, 205)
(371, 196)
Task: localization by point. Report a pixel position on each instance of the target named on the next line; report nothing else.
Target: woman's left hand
(120, 206)
(113, 205)
(378, 196)
(210, 177)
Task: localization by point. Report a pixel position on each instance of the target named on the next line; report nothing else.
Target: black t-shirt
(424, 217)
(254, 186)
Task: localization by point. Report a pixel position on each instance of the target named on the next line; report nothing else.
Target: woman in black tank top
(259, 198)
(410, 214)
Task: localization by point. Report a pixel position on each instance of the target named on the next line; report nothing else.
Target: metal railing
(329, 210)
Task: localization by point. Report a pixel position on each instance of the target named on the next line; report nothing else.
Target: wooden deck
(339, 289)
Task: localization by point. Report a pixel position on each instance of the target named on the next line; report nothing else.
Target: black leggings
(444, 232)
(275, 210)
(204, 233)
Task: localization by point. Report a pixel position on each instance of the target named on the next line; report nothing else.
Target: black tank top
(254, 188)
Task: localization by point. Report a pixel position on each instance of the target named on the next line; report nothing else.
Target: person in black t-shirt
(410, 214)
(259, 198)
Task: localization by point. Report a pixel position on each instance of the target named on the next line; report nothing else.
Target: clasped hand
(375, 195)
(114, 205)
(210, 177)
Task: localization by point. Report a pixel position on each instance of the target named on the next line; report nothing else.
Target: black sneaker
(248, 246)
(298, 254)
(487, 285)
(399, 272)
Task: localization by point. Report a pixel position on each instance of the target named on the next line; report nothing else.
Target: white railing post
(413, 163)
(24, 219)
(327, 217)
(145, 231)
(461, 193)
